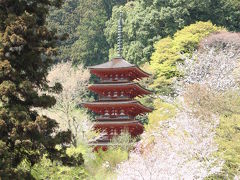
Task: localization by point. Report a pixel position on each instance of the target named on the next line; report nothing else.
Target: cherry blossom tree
(74, 81)
(184, 147)
(213, 68)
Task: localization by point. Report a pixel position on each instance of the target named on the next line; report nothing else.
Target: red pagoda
(116, 90)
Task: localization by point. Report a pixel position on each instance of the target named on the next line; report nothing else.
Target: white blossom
(183, 149)
(74, 81)
(211, 67)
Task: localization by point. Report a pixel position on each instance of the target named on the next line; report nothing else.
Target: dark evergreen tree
(26, 47)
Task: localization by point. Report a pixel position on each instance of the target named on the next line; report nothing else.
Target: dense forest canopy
(148, 21)
(84, 22)
(145, 22)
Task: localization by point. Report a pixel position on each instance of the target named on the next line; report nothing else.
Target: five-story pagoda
(117, 89)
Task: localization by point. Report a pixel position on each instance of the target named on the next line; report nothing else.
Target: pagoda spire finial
(120, 36)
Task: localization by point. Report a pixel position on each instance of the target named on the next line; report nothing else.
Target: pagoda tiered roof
(132, 108)
(118, 65)
(116, 106)
(115, 63)
(132, 89)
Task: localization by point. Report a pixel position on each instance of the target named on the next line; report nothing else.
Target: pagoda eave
(134, 128)
(133, 89)
(117, 122)
(116, 106)
(132, 107)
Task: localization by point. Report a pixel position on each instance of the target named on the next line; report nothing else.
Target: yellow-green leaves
(228, 139)
(168, 53)
(163, 111)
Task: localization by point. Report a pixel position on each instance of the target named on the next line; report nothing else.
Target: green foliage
(163, 111)
(109, 4)
(145, 22)
(52, 170)
(228, 139)
(97, 165)
(228, 133)
(136, 36)
(47, 169)
(103, 163)
(113, 156)
(25, 57)
(65, 21)
(123, 141)
(84, 22)
(91, 46)
(226, 105)
(168, 53)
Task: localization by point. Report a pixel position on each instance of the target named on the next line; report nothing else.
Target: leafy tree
(197, 135)
(91, 47)
(84, 22)
(66, 20)
(228, 138)
(74, 81)
(109, 4)
(47, 169)
(168, 52)
(213, 88)
(148, 21)
(102, 164)
(25, 57)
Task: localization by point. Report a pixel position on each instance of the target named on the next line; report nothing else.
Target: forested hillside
(191, 48)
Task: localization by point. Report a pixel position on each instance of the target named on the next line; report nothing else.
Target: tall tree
(66, 20)
(91, 46)
(109, 4)
(84, 22)
(167, 54)
(66, 111)
(25, 57)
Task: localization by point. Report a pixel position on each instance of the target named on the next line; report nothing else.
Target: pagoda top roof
(114, 63)
(118, 64)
